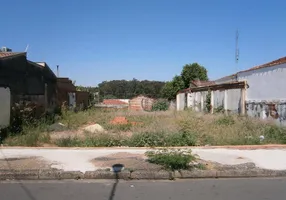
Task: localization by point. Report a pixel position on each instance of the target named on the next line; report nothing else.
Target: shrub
(160, 105)
(208, 102)
(181, 139)
(171, 159)
(147, 139)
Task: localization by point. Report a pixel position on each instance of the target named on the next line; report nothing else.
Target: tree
(171, 88)
(124, 89)
(193, 72)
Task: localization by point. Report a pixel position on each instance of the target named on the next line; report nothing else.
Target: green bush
(181, 139)
(171, 159)
(208, 102)
(147, 139)
(160, 105)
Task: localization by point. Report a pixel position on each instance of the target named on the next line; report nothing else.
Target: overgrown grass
(151, 129)
(173, 159)
(30, 136)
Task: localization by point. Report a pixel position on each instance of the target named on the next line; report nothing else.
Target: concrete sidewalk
(83, 159)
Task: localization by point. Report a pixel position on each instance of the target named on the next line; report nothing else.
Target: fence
(229, 97)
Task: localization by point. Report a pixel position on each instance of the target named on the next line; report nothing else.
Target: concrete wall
(266, 84)
(218, 98)
(234, 100)
(181, 101)
(268, 111)
(197, 100)
(228, 99)
(4, 107)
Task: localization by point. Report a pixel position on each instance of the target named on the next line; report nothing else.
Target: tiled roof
(10, 54)
(270, 64)
(113, 102)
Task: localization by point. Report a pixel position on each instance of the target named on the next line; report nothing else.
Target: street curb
(237, 147)
(137, 175)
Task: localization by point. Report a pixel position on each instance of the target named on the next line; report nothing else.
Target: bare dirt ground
(28, 163)
(129, 160)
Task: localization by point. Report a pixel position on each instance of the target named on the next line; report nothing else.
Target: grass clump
(147, 139)
(225, 120)
(274, 133)
(101, 140)
(30, 136)
(173, 159)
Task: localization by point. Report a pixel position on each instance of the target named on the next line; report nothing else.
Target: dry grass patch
(130, 161)
(148, 129)
(27, 163)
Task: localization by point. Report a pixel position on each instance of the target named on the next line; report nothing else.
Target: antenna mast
(236, 47)
(27, 47)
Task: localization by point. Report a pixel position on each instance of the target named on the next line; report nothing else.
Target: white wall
(180, 100)
(266, 84)
(4, 107)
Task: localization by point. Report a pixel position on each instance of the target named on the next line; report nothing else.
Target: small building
(27, 80)
(141, 103)
(24, 82)
(69, 96)
(258, 92)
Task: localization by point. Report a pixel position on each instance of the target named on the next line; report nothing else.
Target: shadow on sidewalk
(23, 187)
(116, 169)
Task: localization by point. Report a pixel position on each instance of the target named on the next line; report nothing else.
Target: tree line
(127, 89)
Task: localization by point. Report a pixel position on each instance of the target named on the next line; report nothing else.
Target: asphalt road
(215, 189)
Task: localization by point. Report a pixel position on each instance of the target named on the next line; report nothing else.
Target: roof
(46, 69)
(4, 55)
(226, 77)
(269, 64)
(114, 102)
(199, 83)
(240, 84)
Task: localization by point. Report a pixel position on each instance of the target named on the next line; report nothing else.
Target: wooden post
(243, 98)
(225, 101)
(202, 102)
(212, 102)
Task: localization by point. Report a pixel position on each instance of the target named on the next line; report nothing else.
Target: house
(24, 83)
(258, 92)
(26, 80)
(68, 95)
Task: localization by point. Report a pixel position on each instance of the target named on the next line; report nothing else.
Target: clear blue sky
(99, 40)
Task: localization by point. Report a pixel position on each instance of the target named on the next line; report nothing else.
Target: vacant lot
(138, 129)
